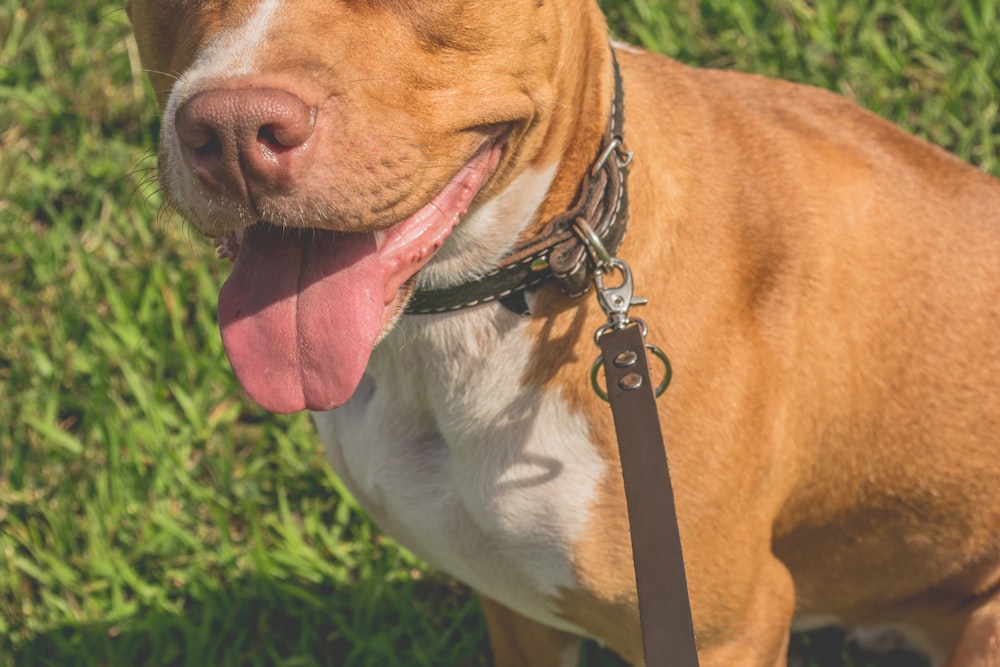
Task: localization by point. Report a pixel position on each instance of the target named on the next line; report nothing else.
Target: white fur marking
(235, 51)
(450, 454)
(488, 232)
(232, 52)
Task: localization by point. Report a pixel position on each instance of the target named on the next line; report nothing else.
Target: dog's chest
(483, 477)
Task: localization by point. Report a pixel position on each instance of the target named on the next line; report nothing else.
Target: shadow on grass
(273, 623)
(268, 623)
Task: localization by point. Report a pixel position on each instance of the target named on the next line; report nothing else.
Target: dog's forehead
(390, 35)
(168, 24)
(442, 10)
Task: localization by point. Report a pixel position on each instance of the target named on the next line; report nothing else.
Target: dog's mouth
(303, 308)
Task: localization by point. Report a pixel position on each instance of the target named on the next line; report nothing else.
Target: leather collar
(563, 251)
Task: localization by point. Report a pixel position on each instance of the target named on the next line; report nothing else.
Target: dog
(827, 288)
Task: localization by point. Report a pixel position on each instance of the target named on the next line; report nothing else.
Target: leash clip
(615, 301)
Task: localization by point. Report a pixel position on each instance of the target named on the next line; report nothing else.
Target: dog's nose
(245, 142)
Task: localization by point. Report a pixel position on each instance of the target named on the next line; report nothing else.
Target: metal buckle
(592, 242)
(616, 146)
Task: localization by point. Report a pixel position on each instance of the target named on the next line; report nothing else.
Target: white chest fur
(452, 456)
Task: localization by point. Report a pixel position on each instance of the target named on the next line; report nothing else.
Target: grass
(149, 515)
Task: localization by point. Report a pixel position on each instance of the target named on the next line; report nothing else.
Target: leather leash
(668, 638)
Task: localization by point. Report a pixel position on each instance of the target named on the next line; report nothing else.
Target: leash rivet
(630, 381)
(626, 359)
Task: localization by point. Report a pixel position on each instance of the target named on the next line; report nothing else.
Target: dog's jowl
(385, 177)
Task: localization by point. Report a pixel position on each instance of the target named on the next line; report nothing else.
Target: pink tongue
(300, 314)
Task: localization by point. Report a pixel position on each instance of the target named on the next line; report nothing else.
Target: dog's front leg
(755, 631)
(518, 641)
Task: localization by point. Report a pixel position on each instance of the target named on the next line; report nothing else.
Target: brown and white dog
(827, 287)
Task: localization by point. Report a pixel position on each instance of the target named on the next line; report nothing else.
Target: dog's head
(332, 146)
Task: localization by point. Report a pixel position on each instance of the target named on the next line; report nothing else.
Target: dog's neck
(568, 247)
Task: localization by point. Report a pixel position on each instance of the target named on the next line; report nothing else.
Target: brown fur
(828, 289)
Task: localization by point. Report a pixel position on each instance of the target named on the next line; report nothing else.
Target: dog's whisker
(169, 75)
